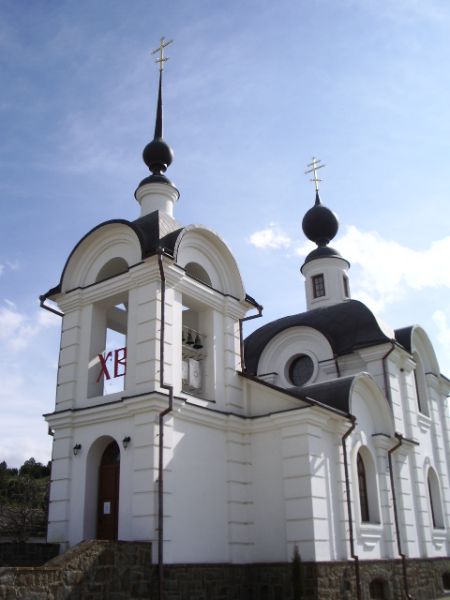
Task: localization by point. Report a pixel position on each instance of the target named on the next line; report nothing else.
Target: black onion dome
(320, 224)
(157, 156)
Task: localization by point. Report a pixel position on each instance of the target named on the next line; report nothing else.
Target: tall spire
(158, 156)
(324, 268)
(159, 114)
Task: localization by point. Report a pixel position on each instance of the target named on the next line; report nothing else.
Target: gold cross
(314, 168)
(162, 59)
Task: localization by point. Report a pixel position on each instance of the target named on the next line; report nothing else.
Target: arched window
(362, 486)
(367, 487)
(437, 516)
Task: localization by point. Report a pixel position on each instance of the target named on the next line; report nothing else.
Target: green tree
(34, 469)
(23, 499)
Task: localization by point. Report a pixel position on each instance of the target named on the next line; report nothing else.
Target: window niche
(197, 272)
(108, 347)
(115, 266)
(194, 343)
(434, 494)
(378, 589)
(367, 487)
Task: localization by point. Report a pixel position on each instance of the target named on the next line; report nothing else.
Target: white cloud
(388, 269)
(28, 346)
(13, 265)
(9, 265)
(385, 270)
(442, 321)
(405, 11)
(271, 237)
(17, 329)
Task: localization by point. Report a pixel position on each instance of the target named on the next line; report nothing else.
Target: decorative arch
(421, 346)
(103, 252)
(93, 462)
(209, 252)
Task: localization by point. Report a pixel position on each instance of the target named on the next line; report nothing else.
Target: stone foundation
(97, 570)
(309, 581)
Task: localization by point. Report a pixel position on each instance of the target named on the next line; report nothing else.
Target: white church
(323, 435)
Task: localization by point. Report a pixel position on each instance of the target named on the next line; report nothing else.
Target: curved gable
(416, 341)
(347, 326)
(108, 242)
(197, 245)
(154, 232)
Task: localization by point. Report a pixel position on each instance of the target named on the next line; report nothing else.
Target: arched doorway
(108, 493)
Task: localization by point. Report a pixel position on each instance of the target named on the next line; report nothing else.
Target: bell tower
(150, 325)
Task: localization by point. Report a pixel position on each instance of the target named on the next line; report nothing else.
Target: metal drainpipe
(42, 300)
(241, 333)
(336, 364)
(397, 526)
(385, 375)
(162, 414)
(349, 508)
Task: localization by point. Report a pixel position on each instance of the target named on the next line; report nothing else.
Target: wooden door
(108, 493)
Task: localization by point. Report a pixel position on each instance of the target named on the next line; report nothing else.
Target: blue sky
(253, 90)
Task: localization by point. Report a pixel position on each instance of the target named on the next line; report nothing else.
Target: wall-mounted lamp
(126, 441)
(76, 449)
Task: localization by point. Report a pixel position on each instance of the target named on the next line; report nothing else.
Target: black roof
(155, 231)
(334, 393)
(347, 326)
(403, 337)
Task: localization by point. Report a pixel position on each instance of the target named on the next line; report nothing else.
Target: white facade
(250, 469)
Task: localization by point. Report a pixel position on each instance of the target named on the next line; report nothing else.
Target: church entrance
(108, 493)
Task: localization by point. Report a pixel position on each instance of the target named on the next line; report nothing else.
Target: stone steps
(92, 570)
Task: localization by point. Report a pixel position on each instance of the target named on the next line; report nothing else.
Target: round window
(301, 369)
